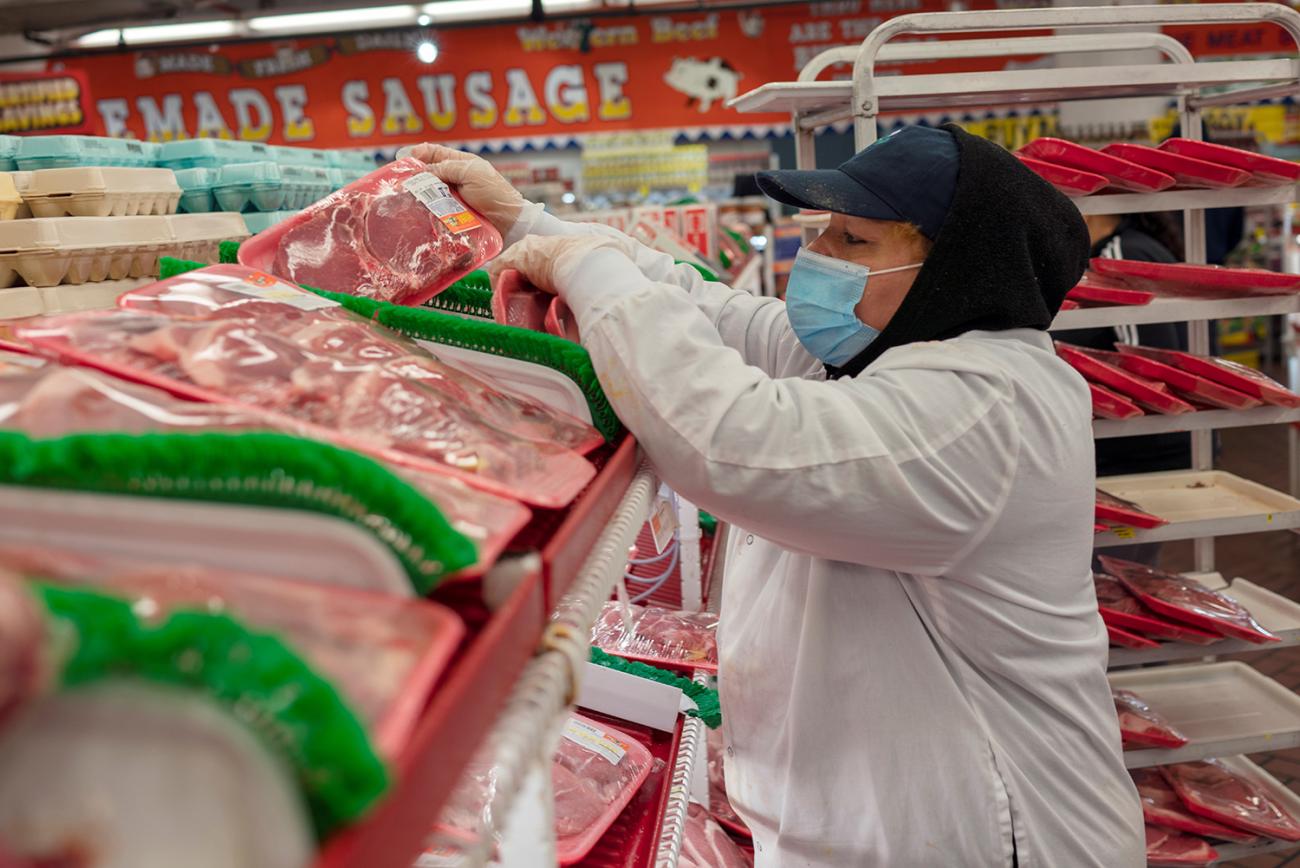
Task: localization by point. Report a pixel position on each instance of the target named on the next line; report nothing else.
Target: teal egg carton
(8, 152)
(210, 153)
(305, 185)
(352, 161)
(250, 187)
(196, 189)
(260, 221)
(286, 155)
(65, 152)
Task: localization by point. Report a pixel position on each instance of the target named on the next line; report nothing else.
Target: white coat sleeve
(755, 327)
(905, 469)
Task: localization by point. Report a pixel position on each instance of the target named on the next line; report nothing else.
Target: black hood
(1009, 250)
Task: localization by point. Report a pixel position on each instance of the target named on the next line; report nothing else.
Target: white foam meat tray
(1223, 709)
(1198, 503)
(527, 380)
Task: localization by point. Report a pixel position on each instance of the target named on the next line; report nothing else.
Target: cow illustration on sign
(703, 81)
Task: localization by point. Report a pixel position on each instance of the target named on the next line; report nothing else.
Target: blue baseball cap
(909, 175)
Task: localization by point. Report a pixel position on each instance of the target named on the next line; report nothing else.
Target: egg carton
(260, 221)
(353, 161)
(196, 189)
(48, 251)
(287, 155)
(61, 152)
(22, 181)
(305, 185)
(211, 153)
(270, 187)
(198, 237)
(23, 301)
(102, 192)
(8, 151)
(10, 202)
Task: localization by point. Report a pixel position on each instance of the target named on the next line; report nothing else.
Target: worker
(912, 667)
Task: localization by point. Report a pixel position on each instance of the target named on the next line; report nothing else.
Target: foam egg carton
(211, 153)
(305, 185)
(196, 189)
(260, 221)
(198, 237)
(315, 158)
(24, 301)
(59, 152)
(102, 191)
(48, 251)
(353, 161)
(250, 187)
(8, 152)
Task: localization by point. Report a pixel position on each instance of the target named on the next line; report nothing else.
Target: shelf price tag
(1124, 532)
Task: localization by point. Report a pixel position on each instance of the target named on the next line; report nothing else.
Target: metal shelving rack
(1191, 84)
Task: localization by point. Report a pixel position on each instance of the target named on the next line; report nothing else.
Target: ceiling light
(426, 52)
(424, 21)
(178, 32)
(568, 5)
(338, 18)
(100, 38)
(468, 10)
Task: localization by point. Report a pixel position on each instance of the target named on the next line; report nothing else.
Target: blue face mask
(820, 300)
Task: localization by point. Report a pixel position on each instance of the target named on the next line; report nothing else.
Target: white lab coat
(912, 663)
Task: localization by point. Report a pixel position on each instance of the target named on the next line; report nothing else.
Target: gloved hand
(480, 185)
(551, 262)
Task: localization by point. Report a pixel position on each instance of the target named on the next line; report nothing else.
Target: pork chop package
(1185, 599)
(1161, 807)
(399, 234)
(1121, 609)
(1126, 512)
(1096, 366)
(1185, 384)
(26, 659)
(1222, 371)
(594, 774)
(1212, 790)
(55, 400)
(1142, 726)
(656, 635)
(706, 845)
(342, 381)
(1165, 848)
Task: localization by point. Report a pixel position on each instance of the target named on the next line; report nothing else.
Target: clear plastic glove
(476, 181)
(551, 262)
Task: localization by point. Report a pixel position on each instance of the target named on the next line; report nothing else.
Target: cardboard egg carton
(17, 302)
(102, 191)
(198, 237)
(48, 251)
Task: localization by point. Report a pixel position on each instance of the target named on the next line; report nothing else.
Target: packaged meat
(1161, 807)
(1121, 609)
(719, 804)
(399, 234)
(1120, 173)
(1126, 512)
(1071, 182)
(1166, 848)
(594, 774)
(560, 321)
(1142, 726)
(1125, 639)
(54, 400)
(1112, 405)
(341, 381)
(706, 845)
(1187, 171)
(1227, 373)
(1266, 170)
(26, 663)
(1210, 789)
(1184, 383)
(661, 636)
(1148, 394)
(516, 302)
(1188, 280)
(1187, 600)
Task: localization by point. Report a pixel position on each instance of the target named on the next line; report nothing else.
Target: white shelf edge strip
(1205, 420)
(1179, 200)
(673, 828)
(1210, 527)
(1175, 310)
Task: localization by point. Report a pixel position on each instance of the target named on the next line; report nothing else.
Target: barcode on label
(594, 740)
(436, 196)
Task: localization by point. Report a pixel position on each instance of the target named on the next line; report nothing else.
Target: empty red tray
(1071, 182)
(1129, 640)
(1094, 289)
(1199, 281)
(1185, 383)
(1126, 512)
(1119, 173)
(1266, 170)
(1112, 405)
(1186, 171)
(1148, 394)
(1223, 372)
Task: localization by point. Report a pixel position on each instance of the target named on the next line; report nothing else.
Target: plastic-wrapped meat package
(660, 636)
(55, 400)
(1093, 365)
(1192, 387)
(719, 804)
(516, 302)
(371, 406)
(382, 651)
(398, 234)
(1125, 639)
(1212, 790)
(594, 774)
(1121, 609)
(706, 845)
(1112, 405)
(1161, 807)
(1165, 848)
(1187, 600)
(1224, 372)
(1142, 726)
(26, 667)
(1117, 509)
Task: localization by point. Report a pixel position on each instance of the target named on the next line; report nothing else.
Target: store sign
(44, 102)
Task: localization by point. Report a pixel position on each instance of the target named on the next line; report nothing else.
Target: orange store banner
(671, 70)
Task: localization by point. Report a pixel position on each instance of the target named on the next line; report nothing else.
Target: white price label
(267, 288)
(436, 196)
(594, 740)
(663, 523)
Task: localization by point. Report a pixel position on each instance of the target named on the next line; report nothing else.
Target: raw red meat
(1112, 405)
(719, 804)
(1224, 372)
(1121, 609)
(1212, 790)
(1112, 508)
(706, 845)
(1094, 366)
(1187, 600)
(1142, 726)
(516, 302)
(25, 666)
(1162, 807)
(1126, 639)
(1170, 848)
(397, 234)
(1184, 384)
(659, 636)
(595, 772)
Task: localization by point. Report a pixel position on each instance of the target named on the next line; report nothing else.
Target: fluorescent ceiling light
(336, 18)
(469, 10)
(100, 38)
(180, 31)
